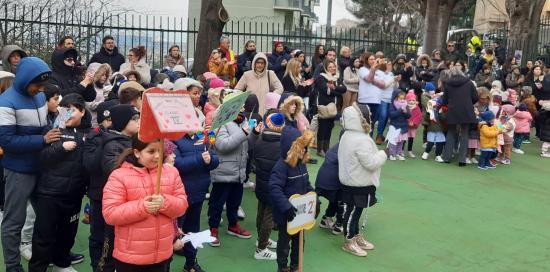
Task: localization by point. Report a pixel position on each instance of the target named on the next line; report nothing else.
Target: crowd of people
(70, 131)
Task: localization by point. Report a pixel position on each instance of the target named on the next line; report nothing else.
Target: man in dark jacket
(452, 53)
(67, 76)
(500, 52)
(109, 54)
(266, 154)
(57, 197)
(278, 60)
(23, 112)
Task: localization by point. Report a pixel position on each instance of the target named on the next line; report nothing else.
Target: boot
(320, 149)
(379, 139)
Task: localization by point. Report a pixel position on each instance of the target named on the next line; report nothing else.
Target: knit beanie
(411, 96)
(522, 107)
(275, 122)
(509, 109)
(209, 75)
(103, 110)
(169, 148)
(272, 100)
(487, 116)
(216, 83)
(121, 116)
(429, 87)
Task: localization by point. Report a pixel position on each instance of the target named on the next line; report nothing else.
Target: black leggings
(410, 143)
(335, 209)
(438, 148)
(352, 215)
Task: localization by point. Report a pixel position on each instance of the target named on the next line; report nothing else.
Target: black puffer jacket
(460, 94)
(114, 59)
(267, 150)
(543, 121)
(63, 174)
(93, 153)
(114, 144)
(67, 78)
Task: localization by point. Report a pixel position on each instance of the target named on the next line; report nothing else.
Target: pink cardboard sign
(173, 112)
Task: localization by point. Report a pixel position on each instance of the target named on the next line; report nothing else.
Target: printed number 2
(310, 204)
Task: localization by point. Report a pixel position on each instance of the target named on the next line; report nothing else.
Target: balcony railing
(296, 5)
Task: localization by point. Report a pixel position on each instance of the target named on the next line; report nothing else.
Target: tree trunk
(523, 26)
(446, 8)
(212, 20)
(431, 27)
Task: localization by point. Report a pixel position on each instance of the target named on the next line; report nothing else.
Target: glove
(291, 214)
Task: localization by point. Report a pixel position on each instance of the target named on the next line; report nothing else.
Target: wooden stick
(159, 169)
(301, 252)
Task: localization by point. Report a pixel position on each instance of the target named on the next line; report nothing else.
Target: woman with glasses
(136, 62)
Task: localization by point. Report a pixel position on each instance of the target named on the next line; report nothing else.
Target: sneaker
(240, 213)
(326, 223)
(249, 184)
(506, 161)
(425, 156)
(207, 196)
(483, 167)
(473, 160)
(392, 158)
(478, 152)
(63, 269)
(337, 229)
(76, 258)
(270, 244)
(401, 157)
(194, 268)
(411, 155)
(351, 246)
(491, 166)
(439, 159)
(363, 243)
(526, 142)
(265, 254)
(26, 250)
(493, 162)
(86, 218)
(214, 233)
(238, 231)
(468, 161)
(545, 155)
(517, 151)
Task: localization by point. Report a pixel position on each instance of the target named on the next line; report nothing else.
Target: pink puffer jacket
(142, 238)
(523, 121)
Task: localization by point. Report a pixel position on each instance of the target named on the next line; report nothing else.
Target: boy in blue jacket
(194, 163)
(328, 185)
(289, 177)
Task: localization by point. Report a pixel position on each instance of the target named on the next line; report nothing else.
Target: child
(413, 121)
(496, 89)
(267, 149)
(215, 97)
(488, 131)
(360, 174)
(398, 134)
(227, 188)
(194, 162)
(292, 108)
(427, 95)
(52, 100)
(434, 116)
(508, 126)
(543, 121)
(289, 177)
(496, 103)
(58, 194)
(328, 185)
(523, 121)
(143, 221)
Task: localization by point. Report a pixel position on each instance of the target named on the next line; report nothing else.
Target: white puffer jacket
(360, 164)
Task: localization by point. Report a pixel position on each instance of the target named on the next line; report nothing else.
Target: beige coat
(351, 80)
(260, 83)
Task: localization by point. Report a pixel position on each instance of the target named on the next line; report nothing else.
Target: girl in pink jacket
(143, 220)
(414, 121)
(523, 127)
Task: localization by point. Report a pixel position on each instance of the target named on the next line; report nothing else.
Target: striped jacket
(23, 119)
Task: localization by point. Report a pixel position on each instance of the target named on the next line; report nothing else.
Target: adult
(23, 112)
(109, 54)
(351, 80)
(528, 68)
(412, 47)
(330, 56)
(344, 60)
(173, 58)
(535, 80)
(244, 61)
(68, 77)
(221, 66)
(424, 70)
(460, 95)
(305, 70)
(66, 42)
(293, 83)
(229, 54)
(385, 75)
(487, 58)
(402, 67)
(369, 91)
(136, 62)
(452, 53)
(279, 59)
(329, 87)
(500, 52)
(514, 80)
(485, 78)
(260, 81)
(11, 56)
(318, 56)
(436, 58)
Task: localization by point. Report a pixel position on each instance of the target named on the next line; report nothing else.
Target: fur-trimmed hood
(292, 148)
(285, 107)
(424, 57)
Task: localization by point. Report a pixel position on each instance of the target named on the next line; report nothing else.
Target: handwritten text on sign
(305, 216)
(173, 112)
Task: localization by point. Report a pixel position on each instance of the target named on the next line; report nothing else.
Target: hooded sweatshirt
(68, 78)
(6, 52)
(23, 119)
(260, 83)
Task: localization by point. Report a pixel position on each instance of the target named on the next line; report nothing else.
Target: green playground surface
(431, 217)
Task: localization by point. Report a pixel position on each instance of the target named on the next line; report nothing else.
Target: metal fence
(38, 30)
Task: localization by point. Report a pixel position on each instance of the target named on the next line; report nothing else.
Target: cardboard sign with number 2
(305, 216)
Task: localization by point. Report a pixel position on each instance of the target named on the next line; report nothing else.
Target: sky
(178, 8)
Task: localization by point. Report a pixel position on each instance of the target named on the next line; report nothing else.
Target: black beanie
(121, 115)
(73, 99)
(103, 110)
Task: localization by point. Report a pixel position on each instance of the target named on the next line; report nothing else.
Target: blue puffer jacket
(23, 119)
(327, 178)
(194, 173)
(286, 181)
(398, 118)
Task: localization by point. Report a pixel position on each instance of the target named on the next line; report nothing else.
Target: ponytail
(139, 51)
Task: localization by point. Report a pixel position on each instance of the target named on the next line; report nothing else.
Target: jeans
(383, 110)
(486, 157)
(373, 115)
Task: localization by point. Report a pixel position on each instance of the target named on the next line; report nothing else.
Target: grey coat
(232, 148)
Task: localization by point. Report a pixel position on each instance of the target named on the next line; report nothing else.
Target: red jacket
(142, 238)
(416, 117)
(523, 121)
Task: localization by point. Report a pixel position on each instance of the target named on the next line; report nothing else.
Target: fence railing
(38, 29)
